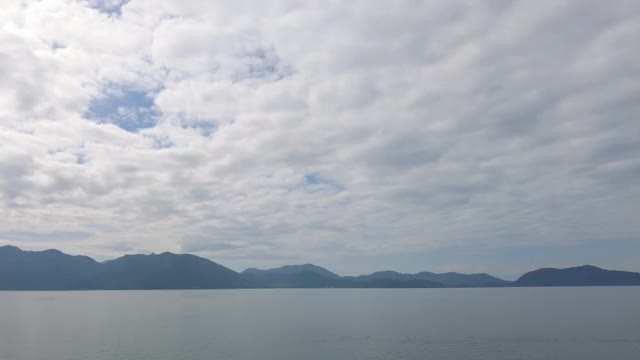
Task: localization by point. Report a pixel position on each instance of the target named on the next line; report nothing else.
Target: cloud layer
(354, 134)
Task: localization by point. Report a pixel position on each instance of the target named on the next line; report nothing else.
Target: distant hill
(586, 275)
(363, 282)
(167, 271)
(313, 276)
(302, 279)
(450, 279)
(293, 276)
(293, 269)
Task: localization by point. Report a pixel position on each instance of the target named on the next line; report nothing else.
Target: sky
(473, 136)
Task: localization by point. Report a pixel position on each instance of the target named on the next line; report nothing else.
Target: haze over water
(318, 324)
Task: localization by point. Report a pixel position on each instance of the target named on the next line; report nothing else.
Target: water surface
(320, 324)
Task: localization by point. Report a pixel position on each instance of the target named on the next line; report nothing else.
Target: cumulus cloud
(263, 133)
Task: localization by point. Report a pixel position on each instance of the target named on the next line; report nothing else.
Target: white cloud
(424, 126)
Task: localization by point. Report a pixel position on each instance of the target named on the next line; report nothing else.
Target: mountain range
(54, 270)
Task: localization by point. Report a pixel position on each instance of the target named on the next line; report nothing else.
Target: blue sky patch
(313, 182)
(130, 110)
(313, 179)
(263, 63)
(205, 127)
(81, 158)
(111, 7)
(160, 141)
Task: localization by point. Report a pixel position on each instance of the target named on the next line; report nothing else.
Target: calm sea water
(327, 324)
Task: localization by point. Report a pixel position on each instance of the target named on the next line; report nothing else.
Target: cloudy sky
(495, 136)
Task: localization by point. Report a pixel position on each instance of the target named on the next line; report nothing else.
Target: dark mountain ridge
(167, 271)
(54, 270)
(45, 270)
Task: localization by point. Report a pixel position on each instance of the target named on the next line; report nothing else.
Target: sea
(565, 323)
